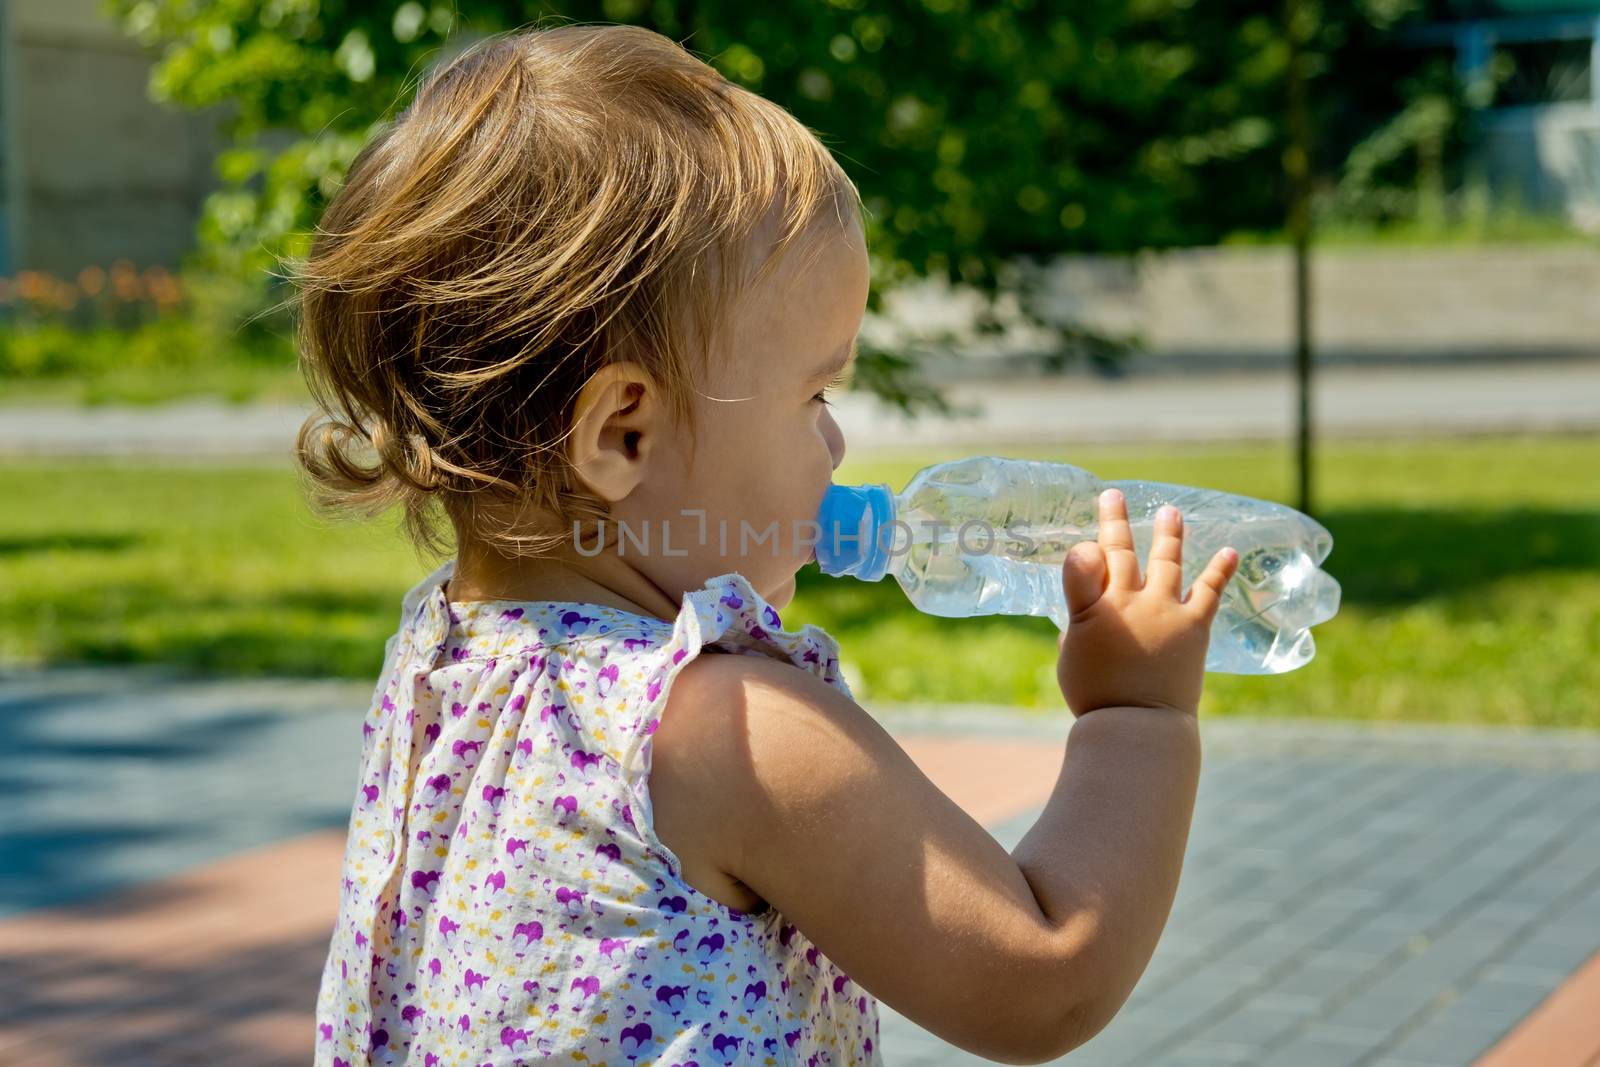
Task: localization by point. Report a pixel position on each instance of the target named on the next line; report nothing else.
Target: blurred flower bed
(121, 334)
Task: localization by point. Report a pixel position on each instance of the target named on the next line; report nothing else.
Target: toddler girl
(579, 306)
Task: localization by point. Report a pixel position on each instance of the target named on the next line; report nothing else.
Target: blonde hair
(552, 201)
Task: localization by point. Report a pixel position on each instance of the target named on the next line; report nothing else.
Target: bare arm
(1110, 843)
(1017, 958)
(820, 812)
(1103, 859)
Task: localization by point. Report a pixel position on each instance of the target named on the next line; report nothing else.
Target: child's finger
(1083, 575)
(1206, 593)
(1116, 540)
(1164, 572)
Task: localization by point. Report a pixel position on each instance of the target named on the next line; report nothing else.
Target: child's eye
(838, 380)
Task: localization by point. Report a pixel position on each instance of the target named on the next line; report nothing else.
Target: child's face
(767, 447)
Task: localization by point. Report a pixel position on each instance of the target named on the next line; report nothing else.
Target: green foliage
(1017, 142)
(1398, 171)
(985, 138)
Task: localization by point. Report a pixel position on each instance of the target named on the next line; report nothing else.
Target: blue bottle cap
(853, 538)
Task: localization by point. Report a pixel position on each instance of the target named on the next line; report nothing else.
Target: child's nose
(835, 438)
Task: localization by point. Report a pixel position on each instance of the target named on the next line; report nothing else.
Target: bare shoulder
(703, 761)
(806, 802)
(688, 779)
(735, 726)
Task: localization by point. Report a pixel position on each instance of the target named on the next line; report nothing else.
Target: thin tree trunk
(1297, 164)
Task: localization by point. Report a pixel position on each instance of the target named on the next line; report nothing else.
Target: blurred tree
(984, 137)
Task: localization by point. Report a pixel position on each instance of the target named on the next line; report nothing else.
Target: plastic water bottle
(988, 535)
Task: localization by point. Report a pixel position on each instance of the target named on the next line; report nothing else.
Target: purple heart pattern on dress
(504, 897)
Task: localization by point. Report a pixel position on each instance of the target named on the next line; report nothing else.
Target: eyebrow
(837, 364)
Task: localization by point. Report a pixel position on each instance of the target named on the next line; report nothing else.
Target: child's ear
(615, 425)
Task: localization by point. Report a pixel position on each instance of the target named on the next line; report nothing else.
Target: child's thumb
(1083, 575)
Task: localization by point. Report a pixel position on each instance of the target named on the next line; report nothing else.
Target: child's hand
(1133, 643)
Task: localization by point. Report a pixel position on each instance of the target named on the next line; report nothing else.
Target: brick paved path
(1398, 897)
(1384, 897)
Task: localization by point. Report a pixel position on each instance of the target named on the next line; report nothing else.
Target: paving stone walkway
(1354, 896)
(1360, 898)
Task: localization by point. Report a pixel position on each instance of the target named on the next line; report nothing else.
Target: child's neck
(564, 576)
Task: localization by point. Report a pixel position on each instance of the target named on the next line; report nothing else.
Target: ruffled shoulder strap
(728, 615)
(725, 613)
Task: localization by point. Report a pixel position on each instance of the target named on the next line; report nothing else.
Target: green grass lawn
(1470, 574)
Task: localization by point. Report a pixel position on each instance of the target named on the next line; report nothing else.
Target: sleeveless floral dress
(505, 899)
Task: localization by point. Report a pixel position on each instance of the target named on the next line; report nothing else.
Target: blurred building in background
(1201, 310)
(91, 169)
(1533, 69)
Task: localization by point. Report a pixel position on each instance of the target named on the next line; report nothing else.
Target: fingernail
(1111, 496)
